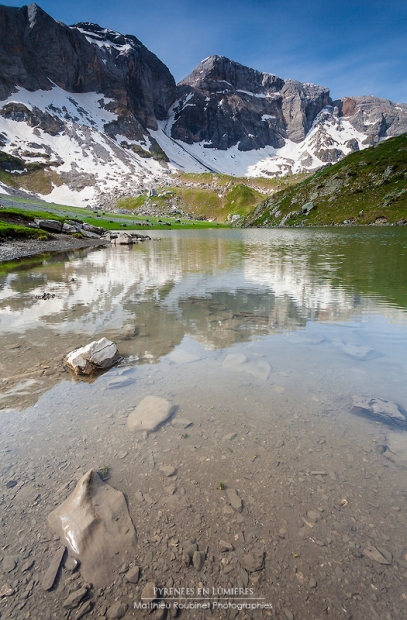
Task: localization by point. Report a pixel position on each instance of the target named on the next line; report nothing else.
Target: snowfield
(91, 161)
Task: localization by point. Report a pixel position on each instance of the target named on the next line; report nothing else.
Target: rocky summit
(224, 104)
(88, 114)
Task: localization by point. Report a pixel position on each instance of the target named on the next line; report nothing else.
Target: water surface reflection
(219, 288)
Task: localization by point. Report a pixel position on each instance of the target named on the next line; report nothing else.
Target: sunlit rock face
(95, 525)
(80, 101)
(240, 121)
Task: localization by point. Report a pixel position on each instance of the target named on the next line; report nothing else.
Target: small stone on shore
(148, 594)
(234, 499)
(133, 575)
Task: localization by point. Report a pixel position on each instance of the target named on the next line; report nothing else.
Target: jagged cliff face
(79, 102)
(223, 103)
(37, 52)
(102, 116)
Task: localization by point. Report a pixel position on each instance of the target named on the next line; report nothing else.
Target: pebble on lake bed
(97, 355)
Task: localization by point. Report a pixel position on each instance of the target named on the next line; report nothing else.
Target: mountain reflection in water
(217, 287)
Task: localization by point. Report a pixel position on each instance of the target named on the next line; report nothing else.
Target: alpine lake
(265, 342)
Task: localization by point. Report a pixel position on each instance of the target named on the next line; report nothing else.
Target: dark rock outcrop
(225, 103)
(37, 52)
(33, 118)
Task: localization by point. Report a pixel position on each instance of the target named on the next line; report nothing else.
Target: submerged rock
(181, 422)
(198, 560)
(234, 499)
(234, 361)
(133, 575)
(75, 598)
(237, 362)
(180, 356)
(373, 553)
(149, 593)
(357, 351)
(95, 525)
(149, 414)
(384, 410)
(254, 560)
(97, 355)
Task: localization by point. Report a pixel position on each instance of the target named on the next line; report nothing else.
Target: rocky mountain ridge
(94, 115)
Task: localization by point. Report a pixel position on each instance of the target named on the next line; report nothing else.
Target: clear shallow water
(324, 310)
(220, 289)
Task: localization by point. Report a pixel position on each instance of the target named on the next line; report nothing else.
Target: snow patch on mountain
(88, 162)
(330, 137)
(63, 195)
(89, 109)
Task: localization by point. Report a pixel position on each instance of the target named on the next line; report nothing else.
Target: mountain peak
(97, 35)
(217, 72)
(34, 8)
(36, 15)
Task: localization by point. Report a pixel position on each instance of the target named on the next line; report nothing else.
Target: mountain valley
(90, 117)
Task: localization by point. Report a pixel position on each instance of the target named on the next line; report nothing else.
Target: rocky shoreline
(14, 249)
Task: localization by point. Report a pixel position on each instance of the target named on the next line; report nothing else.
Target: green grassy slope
(212, 196)
(17, 213)
(367, 187)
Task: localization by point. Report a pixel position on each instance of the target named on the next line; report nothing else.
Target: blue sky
(354, 47)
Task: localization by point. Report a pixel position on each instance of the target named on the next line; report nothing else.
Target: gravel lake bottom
(266, 493)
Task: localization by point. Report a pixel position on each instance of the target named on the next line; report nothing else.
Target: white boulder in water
(95, 525)
(98, 355)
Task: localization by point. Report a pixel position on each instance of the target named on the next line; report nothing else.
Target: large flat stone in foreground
(95, 525)
(149, 414)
